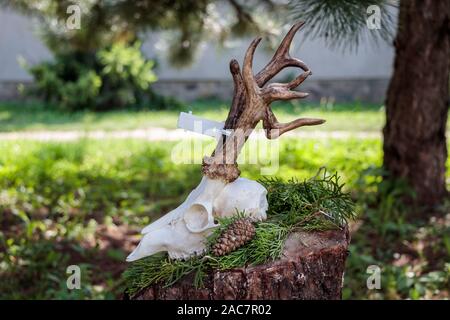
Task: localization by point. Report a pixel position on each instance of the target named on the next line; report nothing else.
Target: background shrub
(115, 77)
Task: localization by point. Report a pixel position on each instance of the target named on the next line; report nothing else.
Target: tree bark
(417, 100)
(312, 267)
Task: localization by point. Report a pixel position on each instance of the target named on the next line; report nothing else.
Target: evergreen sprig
(312, 205)
(342, 23)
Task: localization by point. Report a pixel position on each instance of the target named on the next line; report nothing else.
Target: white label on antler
(188, 121)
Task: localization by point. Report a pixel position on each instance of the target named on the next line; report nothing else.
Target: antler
(251, 104)
(281, 59)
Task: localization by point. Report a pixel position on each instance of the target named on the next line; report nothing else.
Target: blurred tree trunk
(417, 99)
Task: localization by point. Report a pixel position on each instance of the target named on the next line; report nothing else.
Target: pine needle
(312, 205)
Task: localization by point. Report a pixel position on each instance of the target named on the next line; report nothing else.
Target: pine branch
(312, 205)
(342, 23)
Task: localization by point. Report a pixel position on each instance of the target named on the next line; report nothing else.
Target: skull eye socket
(197, 218)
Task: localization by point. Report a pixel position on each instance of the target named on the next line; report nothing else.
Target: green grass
(56, 196)
(63, 203)
(37, 117)
(81, 203)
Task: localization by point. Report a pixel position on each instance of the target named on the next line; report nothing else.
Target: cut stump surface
(311, 267)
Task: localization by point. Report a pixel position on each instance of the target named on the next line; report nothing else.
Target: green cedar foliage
(313, 205)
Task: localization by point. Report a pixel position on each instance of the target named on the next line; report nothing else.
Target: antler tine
(238, 95)
(281, 59)
(247, 71)
(279, 91)
(274, 129)
(286, 42)
(298, 80)
(283, 91)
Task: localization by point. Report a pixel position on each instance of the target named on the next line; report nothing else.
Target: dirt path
(162, 134)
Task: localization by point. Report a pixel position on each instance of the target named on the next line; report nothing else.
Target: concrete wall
(345, 76)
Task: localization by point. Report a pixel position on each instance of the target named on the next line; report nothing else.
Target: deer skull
(182, 232)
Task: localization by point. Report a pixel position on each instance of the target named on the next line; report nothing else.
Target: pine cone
(234, 236)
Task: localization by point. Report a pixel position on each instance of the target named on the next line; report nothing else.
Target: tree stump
(311, 267)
